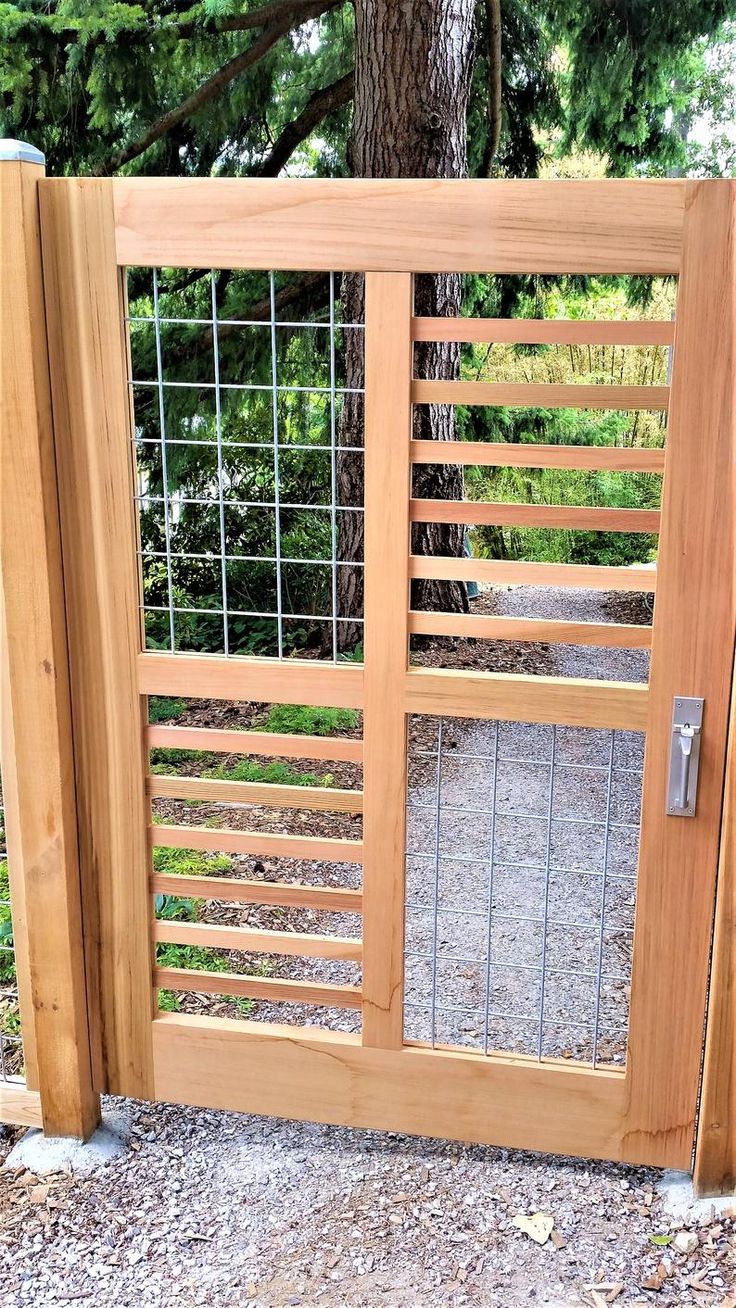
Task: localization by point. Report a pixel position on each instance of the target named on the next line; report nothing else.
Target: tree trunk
(413, 65)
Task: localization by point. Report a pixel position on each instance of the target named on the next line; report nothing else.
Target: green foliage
(189, 862)
(171, 908)
(167, 761)
(7, 959)
(163, 709)
(302, 720)
(279, 774)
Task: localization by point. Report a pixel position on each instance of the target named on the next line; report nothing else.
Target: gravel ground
(248, 1212)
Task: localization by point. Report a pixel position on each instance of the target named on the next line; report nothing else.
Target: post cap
(20, 150)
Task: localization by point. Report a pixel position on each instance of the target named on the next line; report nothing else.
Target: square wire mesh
(522, 849)
(11, 1047)
(257, 458)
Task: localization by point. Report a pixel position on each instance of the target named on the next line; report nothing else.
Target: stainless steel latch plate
(682, 784)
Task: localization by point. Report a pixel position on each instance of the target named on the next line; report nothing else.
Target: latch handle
(687, 735)
(682, 785)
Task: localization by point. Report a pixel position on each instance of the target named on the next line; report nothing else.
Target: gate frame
(101, 217)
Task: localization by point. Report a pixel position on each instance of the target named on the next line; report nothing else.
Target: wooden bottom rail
(19, 1106)
(219, 840)
(271, 988)
(512, 697)
(503, 572)
(286, 895)
(543, 630)
(289, 943)
(269, 744)
(217, 791)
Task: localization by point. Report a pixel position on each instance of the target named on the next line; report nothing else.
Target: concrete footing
(680, 1201)
(43, 1155)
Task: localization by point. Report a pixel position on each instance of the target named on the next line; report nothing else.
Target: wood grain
(255, 792)
(282, 893)
(272, 989)
(405, 225)
(294, 944)
(543, 331)
(217, 839)
(38, 765)
(512, 697)
(512, 454)
(540, 395)
(479, 627)
(268, 744)
(692, 654)
(99, 536)
(20, 1106)
(270, 681)
(389, 298)
(558, 516)
(507, 572)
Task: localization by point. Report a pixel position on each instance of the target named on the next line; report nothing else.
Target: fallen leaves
(538, 1226)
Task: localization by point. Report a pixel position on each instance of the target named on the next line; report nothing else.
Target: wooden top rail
(218, 839)
(218, 791)
(510, 572)
(285, 894)
(512, 454)
(400, 225)
(269, 681)
(479, 627)
(291, 944)
(270, 988)
(546, 331)
(561, 516)
(338, 749)
(540, 395)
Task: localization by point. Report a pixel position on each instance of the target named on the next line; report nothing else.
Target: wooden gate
(643, 1111)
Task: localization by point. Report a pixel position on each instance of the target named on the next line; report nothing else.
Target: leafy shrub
(189, 862)
(303, 720)
(162, 709)
(279, 774)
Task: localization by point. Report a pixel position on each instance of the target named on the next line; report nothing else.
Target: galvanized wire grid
(11, 1047)
(521, 877)
(229, 451)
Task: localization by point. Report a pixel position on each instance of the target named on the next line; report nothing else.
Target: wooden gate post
(37, 755)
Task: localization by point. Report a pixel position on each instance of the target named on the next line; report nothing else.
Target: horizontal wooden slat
(510, 697)
(544, 630)
(218, 791)
(509, 454)
(19, 1106)
(269, 744)
(509, 572)
(271, 988)
(289, 943)
(404, 225)
(283, 894)
(269, 681)
(540, 395)
(560, 516)
(543, 331)
(313, 1074)
(268, 843)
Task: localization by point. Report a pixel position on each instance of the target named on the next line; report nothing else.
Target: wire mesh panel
(11, 1048)
(521, 879)
(248, 435)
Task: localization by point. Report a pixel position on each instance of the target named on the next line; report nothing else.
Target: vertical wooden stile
(85, 311)
(38, 766)
(694, 622)
(388, 371)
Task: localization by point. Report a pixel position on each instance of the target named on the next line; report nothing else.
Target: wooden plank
(691, 655)
(268, 843)
(38, 766)
(512, 454)
(388, 418)
(715, 1153)
(543, 331)
(508, 572)
(327, 1076)
(283, 893)
(255, 792)
(99, 535)
(292, 944)
(400, 225)
(20, 1106)
(511, 697)
(273, 989)
(540, 395)
(270, 681)
(268, 744)
(479, 627)
(559, 516)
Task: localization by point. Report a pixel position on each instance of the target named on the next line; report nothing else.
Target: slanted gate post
(37, 755)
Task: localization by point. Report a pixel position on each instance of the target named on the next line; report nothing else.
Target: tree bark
(413, 66)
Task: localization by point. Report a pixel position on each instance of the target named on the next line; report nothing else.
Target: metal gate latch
(682, 784)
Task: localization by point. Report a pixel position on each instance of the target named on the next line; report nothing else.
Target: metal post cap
(20, 150)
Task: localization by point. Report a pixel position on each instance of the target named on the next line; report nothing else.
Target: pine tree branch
(290, 15)
(318, 107)
(493, 18)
